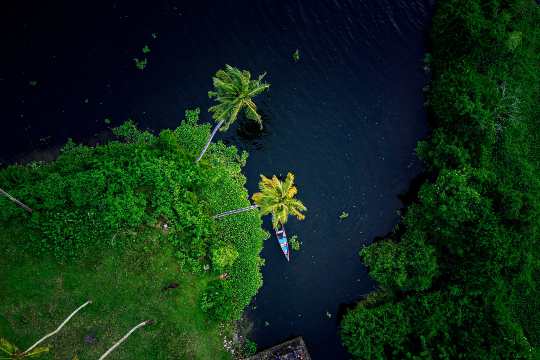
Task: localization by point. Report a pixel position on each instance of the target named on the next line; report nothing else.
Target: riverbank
(460, 276)
(128, 225)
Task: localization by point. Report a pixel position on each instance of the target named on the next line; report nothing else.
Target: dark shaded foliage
(460, 277)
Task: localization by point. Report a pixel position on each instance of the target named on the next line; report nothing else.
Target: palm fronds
(233, 91)
(278, 198)
(10, 351)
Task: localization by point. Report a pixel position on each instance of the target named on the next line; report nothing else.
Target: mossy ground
(126, 288)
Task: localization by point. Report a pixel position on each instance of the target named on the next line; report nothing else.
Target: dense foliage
(460, 276)
(96, 199)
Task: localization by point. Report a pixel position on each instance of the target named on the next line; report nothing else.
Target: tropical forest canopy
(460, 276)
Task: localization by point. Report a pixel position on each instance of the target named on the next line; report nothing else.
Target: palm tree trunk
(210, 139)
(58, 328)
(236, 211)
(125, 337)
(25, 207)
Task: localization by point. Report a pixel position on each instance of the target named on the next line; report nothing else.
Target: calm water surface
(344, 119)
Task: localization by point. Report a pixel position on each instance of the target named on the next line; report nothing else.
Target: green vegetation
(126, 287)
(460, 276)
(140, 63)
(145, 49)
(295, 243)
(343, 215)
(278, 198)
(296, 55)
(250, 348)
(10, 351)
(129, 225)
(234, 91)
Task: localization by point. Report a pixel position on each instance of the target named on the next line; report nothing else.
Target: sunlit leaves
(278, 198)
(233, 91)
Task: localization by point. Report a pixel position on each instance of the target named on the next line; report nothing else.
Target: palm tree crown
(10, 351)
(278, 198)
(233, 91)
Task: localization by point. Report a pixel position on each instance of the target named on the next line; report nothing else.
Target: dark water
(344, 119)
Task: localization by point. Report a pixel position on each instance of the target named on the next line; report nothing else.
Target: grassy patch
(126, 287)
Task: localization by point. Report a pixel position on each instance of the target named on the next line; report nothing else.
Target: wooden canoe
(282, 240)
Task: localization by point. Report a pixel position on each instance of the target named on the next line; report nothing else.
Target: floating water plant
(344, 215)
(154, 36)
(295, 243)
(140, 64)
(296, 55)
(146, 49)
(107, 121)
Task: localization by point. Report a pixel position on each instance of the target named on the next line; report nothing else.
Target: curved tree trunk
(58, 328)
(124, 338)
(236, 211)
(210, 139)
(25, 207)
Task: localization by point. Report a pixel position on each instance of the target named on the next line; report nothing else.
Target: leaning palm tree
(278, 198)
(233, 92)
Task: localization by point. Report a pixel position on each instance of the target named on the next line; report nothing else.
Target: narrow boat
(283, 243)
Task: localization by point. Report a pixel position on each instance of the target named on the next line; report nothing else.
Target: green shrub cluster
(459, 278)
(94, 199)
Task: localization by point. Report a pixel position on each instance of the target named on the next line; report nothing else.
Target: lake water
(345, 118)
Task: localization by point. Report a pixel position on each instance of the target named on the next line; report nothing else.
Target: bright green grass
(126, 289)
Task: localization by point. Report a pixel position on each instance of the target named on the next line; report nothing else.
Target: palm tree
(233, 91)
(278, 198)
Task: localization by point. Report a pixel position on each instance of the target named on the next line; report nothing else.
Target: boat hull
(283, 242)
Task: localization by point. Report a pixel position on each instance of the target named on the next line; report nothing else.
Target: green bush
(216, 300)
(249, 348)
(223, 257)
(368, 331)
